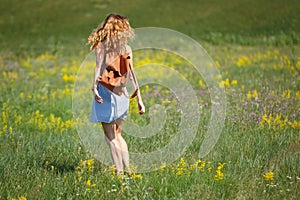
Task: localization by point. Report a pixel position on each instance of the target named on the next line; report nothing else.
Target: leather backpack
(114, 77)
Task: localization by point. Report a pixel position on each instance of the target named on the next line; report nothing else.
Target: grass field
(36, 26)
(255, 46)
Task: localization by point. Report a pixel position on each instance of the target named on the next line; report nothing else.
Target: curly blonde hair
(113, 33)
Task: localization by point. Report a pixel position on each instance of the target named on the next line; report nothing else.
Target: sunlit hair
(113, 33)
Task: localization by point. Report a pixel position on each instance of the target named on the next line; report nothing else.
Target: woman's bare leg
(113, 143)
(123, 145)
(117, 144)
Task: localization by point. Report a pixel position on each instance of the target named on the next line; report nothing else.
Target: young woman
(110, 41)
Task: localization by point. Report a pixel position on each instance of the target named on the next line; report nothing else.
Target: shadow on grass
(59, 168)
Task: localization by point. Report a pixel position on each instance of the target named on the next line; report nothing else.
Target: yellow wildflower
(200, 83)
(233, 82)
(181, 167)
(249, 95)
(194, 166)
(275, 122)
(112, 169)
(227, 83)
(46, 56)
(88, 182)
(4, 74)
(219, 174)
(254, 94)
(202, 165)
(221, 84)
(90, 163)
(66, 91)
(219, 76)
(21, 95)
(242, 61)
(163, 166)
(137, 176)
(298, 95)
(286, 94)
(13, 75)
(167, 92)
(269, 176)
(294, 125)
(68, 78)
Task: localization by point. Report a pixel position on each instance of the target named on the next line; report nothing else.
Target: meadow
(256, 156)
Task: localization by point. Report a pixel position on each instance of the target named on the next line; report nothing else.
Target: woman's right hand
(97, 96)
(141, 107)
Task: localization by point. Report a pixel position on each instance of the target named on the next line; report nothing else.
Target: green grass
(33, 27)
(42, 156)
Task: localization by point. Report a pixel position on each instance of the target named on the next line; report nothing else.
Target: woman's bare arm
(135, 85)
(99, 60)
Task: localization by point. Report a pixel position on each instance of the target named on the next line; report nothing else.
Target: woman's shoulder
(128, 49)
(121, 51)
(99, 49)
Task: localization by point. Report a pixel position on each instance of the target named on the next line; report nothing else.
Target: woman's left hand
(141, 107)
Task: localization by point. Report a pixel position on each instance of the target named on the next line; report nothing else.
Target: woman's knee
(119, 123)
(109, 131)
